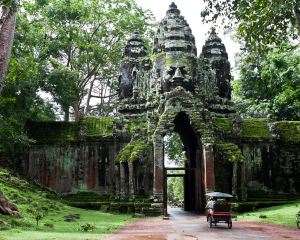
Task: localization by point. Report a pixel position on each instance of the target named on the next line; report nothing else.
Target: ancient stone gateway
(178, 90)
(174, 90)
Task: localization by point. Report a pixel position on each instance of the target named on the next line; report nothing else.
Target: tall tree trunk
(77, 111)
(6, 40)
(297, 16)
(67, 114)
(87, 107)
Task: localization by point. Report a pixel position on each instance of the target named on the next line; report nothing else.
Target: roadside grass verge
(57, 220)
(284, 215)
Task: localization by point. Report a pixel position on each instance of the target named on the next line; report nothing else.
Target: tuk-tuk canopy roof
(219, 195)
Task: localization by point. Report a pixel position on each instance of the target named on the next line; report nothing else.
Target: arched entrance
(192, 169)
(182, 117)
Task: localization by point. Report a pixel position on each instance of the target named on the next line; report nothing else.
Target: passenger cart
(218, 209)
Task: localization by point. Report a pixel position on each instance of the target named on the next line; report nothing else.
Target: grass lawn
(32, 201)
(25, 227)
(284, 215)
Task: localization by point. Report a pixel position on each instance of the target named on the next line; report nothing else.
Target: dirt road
(187, 226)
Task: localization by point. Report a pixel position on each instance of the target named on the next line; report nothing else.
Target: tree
(259, 23)
(83, 46)
(20, 101)
(174, 149)
(8, 9)
(269, 84)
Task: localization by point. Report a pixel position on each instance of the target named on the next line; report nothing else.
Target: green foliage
(258, 23)
(80, 43)
(19, 100)
(32, 199)
(87, 227)
(256, 129)
(56, 132)
(175, 191)
(269, 84)
(224, 125)
(135, 150)
(174, 148)
(62, 84)
(229, 152)
(289, 132)
(136, 126)
(8, 3)
(98, 126)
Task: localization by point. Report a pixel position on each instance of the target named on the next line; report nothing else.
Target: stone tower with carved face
(175, 54)
(176, 92)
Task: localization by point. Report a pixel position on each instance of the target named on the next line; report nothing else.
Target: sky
(190, 10)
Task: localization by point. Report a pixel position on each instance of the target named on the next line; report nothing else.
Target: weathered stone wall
(272, 168)
(73, 166)
(72, 157)
(124, 157)
(269, 158)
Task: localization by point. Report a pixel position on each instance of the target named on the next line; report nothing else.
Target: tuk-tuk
(219, 209)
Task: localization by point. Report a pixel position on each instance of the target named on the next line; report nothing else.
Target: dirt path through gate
(187, 226)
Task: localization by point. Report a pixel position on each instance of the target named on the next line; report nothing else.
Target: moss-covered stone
(188, 61)
(223, 125)
(49, 132)
(56, 132)
(289, 131)
(229, 152)
(256, 129)
(134, 150)
(158, 56)
(96, 126)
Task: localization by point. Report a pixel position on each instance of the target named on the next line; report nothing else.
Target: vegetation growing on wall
(96, 126)
(256, 129)
(224, 125)
(157, 56)
(229, 152)
(288, 131)
(56, 132)
(137, 149)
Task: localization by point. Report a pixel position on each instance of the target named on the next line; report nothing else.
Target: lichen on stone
(57, 132)
(53, 132)
(135, 150)
(289, 131)
(224, 125)
(256, 129)
(229, 152)
(95, 126)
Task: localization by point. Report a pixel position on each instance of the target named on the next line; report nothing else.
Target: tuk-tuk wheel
(229, 224)
(298, 224)
(210, 222)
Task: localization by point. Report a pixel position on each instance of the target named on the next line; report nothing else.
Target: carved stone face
(174, 73)
(178, 72)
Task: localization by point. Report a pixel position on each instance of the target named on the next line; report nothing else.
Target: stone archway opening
(191, 171)
(174, 163)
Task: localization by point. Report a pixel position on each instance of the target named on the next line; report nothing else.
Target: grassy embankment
(284, 215)
(33, 201)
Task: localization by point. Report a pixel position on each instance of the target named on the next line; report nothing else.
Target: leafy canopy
(269, 84)
(259, 23)
(81, 42)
